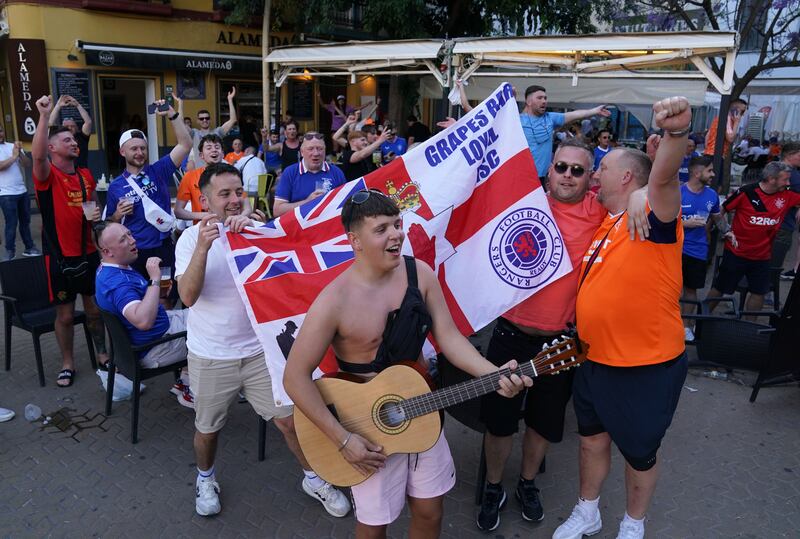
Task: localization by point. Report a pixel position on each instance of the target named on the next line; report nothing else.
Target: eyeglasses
(313, 136)
(576, 170)
(204, 118)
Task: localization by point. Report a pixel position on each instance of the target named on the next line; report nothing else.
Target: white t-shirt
(11, 180)
(218, 327)
(251, 168)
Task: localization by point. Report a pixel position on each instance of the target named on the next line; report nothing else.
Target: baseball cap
(338, 97)
(129, 134)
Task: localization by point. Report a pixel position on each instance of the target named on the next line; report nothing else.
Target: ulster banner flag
(473, 209)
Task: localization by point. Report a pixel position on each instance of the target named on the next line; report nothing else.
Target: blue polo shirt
(154, 180)
(683, 172)
(539, 134)
(705, 203)
(296, 182)
(116, 287)
(398, 147)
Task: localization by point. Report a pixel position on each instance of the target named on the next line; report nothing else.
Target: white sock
(639, 523)
(206, 475)
(590, 505)
(314, 481)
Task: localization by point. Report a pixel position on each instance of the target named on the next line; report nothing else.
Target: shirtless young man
(350, 314)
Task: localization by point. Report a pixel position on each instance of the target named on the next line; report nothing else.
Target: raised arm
(54, 114)
(674, 116)
(573, 115)
(227, 126)
(86, 128)
(462, 93)
(184, 145)
(41, 166)
(338, 136)
(368, 151)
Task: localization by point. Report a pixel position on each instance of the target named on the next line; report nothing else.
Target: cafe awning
(111, 55)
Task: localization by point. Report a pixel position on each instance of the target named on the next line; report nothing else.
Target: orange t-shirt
(553, 306)
(711, 139)
(232, 157)
(189, 189)
(627, 308)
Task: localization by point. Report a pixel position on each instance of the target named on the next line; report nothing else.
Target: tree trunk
(265, 82)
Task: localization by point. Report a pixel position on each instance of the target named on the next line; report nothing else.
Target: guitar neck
(547, 362)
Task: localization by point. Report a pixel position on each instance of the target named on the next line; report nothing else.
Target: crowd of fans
(136, 255)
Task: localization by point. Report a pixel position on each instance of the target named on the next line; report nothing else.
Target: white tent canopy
(358, 57)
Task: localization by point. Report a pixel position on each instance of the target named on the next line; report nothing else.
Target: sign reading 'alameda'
(473, 210)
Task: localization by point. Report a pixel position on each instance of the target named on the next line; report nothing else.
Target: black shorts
(66, 289)
(634, 405)
(165, 251)
(694, 272)
(545, 402)
(733, 268)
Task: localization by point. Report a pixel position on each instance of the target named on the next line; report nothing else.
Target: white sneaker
(207, 502)
(581, 522)
(688, 334)
(331, 498)
(6, 414)
(630, 530)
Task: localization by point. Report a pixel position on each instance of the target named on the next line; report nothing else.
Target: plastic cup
(166, 281)
(323, 185)
(88, 209)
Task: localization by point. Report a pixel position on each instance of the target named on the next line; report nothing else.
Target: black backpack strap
(411, 271)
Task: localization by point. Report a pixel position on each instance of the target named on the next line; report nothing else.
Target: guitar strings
(430, 402)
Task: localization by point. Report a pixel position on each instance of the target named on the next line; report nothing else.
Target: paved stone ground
(729, 468)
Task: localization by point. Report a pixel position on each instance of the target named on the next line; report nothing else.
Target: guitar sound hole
(392, 414)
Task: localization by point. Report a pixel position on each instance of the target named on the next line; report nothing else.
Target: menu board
(301, 99)
(76, 83)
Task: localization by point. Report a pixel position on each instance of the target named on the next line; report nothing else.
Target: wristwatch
(153, 282)
(175, 116)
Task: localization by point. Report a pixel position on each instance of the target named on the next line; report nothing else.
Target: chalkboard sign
(76, 83)
(301, 99)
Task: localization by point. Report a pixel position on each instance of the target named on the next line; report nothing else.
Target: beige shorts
(215, 384)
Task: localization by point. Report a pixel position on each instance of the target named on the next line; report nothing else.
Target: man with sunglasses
(204, 119)
(350, 314)
(141, 180)
(521, 332)
(539, 125)
(629, 316)
(307, 179)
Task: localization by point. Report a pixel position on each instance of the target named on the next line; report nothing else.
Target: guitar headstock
(560, 355)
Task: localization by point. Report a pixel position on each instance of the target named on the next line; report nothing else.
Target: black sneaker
(788, 275)
(494, 500)
(528, 496)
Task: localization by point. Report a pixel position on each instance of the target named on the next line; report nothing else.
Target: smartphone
(163, 107)
(151, 108)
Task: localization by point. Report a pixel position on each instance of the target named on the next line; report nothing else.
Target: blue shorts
(634, 405)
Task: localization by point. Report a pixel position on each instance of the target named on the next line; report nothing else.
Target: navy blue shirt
(683, 172)
(296, 182)
(154, 180)
(790, 222)
(117, 287)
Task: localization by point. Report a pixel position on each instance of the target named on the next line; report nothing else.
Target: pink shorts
(380, 499)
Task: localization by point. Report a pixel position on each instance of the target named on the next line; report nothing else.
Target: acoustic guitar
(398, 411)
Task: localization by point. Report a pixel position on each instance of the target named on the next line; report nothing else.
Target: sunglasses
(359, 198)
(576, 170)
(204, 118)
(312, 136)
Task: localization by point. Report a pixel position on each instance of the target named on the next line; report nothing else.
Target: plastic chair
(27, 306)
(261, 200)
(125, 357)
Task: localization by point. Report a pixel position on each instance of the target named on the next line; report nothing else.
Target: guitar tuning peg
(544, 346)
(555, 341)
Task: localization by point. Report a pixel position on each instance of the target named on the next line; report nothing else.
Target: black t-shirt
(83, 146)
(289, 156)
(419, 131)
(354, 171)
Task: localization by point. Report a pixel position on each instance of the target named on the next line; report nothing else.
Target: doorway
(124, 105)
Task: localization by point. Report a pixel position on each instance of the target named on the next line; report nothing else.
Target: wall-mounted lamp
(72, 58)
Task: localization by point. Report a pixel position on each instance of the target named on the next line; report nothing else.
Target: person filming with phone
(139, 198)
(735, 114)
